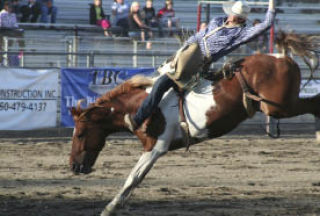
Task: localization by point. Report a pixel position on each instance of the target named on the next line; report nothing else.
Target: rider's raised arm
(249, 33)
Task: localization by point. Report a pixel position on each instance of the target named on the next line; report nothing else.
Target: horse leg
(300, 106)
(137, 174)
(309, 105)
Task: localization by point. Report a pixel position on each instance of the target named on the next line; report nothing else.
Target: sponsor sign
(28, 98)
(88, 84)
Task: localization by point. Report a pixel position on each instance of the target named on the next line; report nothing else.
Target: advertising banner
(28, 98)
(88, 84)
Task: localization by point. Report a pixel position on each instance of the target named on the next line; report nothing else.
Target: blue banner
(89, 84)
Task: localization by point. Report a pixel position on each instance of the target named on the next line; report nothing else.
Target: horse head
(92, 126)
(105, 116)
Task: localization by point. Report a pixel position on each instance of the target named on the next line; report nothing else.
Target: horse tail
(304, 46)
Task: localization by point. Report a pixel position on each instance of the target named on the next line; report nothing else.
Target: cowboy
(222, 36)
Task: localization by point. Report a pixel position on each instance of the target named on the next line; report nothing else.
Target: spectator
(136, 26)
(47, 9)
(9, 26)
(7, 18)
(149, 14)
(97, 16)
(120, 12)
(30, 12)
(16, 7)
(167, 16)
(150, 18)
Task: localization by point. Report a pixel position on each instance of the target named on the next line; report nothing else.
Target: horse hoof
(104, 213)
(107, 213)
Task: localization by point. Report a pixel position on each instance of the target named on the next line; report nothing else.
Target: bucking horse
(265, 83)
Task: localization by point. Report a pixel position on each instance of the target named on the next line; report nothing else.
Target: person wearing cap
(222, 36)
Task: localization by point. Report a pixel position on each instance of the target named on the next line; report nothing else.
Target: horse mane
(135, 82)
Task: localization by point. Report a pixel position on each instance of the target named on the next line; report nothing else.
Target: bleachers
(75, 13)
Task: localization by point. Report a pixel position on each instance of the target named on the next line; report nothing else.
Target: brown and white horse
(211, 111)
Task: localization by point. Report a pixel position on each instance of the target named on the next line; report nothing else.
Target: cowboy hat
(238, 8)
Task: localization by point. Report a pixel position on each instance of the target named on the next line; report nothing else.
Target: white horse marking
(139, 171)
(196, 117)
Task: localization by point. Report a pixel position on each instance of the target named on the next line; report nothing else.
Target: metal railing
(80, 51)
(76, 51)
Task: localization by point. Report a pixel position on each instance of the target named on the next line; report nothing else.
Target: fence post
(5, 49)
(75, 47)
(135, 50)
(90, 59)
(21, 63)
(199, 16)
(207, 13)
(153, 61)
(69, 50)
(317, 129)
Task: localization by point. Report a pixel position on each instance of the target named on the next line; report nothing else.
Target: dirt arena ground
(231, 176)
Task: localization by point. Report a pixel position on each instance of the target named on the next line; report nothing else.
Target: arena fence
(33, 99)
(77, 52)
(86, 51)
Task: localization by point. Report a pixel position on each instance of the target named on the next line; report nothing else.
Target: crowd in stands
(134, 22)
(138, 23)
(32, 11)
(14, 11)
(131, 20)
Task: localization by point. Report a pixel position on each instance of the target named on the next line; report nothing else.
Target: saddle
(231, 68)
(227, 71)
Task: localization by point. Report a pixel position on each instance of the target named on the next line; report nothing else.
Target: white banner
(311, 89)
(28, 98)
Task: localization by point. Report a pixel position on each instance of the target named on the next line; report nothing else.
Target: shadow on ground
(302, 205)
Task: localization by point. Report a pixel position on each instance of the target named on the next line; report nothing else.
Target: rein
(254, 96)
(87, 112)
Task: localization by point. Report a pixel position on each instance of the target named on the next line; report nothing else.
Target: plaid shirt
(226, 40)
